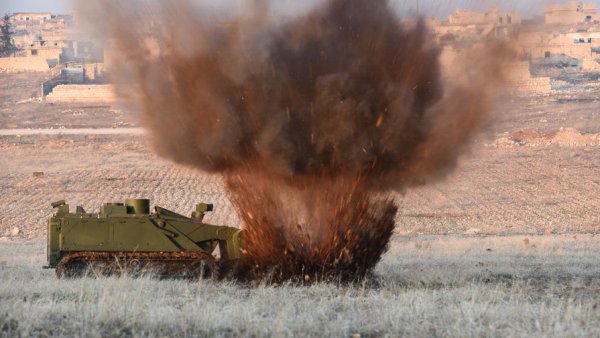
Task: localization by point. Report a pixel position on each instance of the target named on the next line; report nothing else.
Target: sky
(438, 8)
(53, 6)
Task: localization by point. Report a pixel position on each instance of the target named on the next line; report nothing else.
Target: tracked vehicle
(128, 238)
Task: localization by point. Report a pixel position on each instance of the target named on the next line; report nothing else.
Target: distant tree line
(7, 48)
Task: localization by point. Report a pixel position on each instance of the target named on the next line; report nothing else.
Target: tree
(6, 45)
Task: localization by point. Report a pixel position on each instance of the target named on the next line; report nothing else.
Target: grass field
(426, 286)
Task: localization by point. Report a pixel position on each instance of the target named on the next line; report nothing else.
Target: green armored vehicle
(126, 237)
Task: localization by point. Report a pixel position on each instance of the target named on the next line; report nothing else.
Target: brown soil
(499, 188)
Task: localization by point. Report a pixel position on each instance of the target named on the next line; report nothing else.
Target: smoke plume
(313, 121)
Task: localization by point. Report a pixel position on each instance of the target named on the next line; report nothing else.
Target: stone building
(464, 17)
(466, 26)
(570, 13)
(46, 41)
(31, 16)
(540, 44)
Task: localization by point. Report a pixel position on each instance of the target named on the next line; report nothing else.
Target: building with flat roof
(569, 13)
(31, 16)
(463, 17)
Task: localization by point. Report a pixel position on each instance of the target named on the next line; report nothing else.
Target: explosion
(313, 122)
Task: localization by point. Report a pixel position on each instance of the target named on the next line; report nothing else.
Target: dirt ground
(22, 107)
(534, 170)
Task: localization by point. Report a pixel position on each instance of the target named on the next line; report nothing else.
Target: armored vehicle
(127, 237)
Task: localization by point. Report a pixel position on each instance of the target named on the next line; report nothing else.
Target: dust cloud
(314, 121)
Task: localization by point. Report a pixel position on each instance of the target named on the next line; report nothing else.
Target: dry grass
(429, 286)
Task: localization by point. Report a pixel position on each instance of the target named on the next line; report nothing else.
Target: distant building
(464, 17)
(569, 13)
(46, 41)
(31, 16)
(540, 45)
(466, 26)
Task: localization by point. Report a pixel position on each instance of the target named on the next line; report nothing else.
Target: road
(73, 131)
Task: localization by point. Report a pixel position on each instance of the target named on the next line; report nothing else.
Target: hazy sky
(439, 8)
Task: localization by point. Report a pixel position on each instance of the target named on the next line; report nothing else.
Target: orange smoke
(319, 229)
(312, 121)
